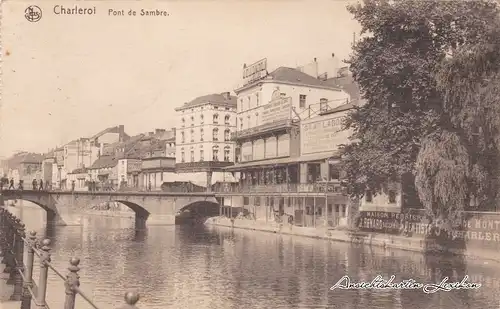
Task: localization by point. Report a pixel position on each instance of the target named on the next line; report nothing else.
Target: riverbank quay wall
(479, 236)
(151, 208)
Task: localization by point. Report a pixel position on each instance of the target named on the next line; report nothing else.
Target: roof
(50, 155)
(343, 107)
(79, 171)
(23, 157)
(292, 76)
(110, 130)
(105, 161)
(211, 98)
(347, 84)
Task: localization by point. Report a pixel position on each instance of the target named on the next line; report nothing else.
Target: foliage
(417, 118)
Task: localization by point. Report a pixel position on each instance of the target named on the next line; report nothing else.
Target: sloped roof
(292, 76)
(23, 157)
(211, 98)
(79, 171)
(110, 130)
(347, 84)
(50, 154)
(105, 161)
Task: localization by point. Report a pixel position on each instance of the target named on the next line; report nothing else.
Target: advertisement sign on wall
(322, 134)
(276, 110)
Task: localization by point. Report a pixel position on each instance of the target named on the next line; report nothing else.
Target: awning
(319, 156)
(262, 163)
(284, 161)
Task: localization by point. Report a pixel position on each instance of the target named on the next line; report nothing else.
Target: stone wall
(477, 231)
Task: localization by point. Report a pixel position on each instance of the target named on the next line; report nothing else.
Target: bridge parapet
(13, 242)
(155, 208)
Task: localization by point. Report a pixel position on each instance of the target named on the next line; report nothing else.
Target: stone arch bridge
(151, 208)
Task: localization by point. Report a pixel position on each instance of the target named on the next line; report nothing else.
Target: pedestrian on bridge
(21, 185)
(11, 185)
(34, 184)
(40, 187)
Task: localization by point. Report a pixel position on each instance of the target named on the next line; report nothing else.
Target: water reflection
(186, 267)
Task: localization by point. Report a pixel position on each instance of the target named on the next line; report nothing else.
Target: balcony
(319, 187)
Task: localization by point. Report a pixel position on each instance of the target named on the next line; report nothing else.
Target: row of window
(215, 155)
(215, 120)
(243, 107)
(282, 202)
(215, 135)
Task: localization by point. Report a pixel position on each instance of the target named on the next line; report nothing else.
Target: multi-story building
(158, 163)
(83, 153)
(24, 166)
(203, 139)
(288, 133)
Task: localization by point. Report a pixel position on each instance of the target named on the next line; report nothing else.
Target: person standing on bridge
(34, 184)
(40, 187)
(11, 185)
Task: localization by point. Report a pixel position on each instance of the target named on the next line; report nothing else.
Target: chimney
(121, 132)
(226, 95)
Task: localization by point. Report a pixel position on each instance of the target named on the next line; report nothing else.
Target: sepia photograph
(235, 154)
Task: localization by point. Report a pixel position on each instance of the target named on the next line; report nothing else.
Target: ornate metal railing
(13, 242)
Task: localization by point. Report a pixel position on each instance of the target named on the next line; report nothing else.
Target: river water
(216, 268)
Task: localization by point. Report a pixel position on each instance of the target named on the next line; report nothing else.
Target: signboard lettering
(255, 71)
(323, 135)
(481, 229)
(277, 110)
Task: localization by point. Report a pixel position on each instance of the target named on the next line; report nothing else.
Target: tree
(414, 124)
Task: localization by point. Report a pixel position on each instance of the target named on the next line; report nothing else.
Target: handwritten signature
(379, 283)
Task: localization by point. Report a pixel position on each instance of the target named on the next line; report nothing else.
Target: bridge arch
(138, 209)
(201, 208)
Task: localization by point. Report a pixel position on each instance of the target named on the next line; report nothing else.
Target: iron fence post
(28, 271)
(44, 270)
(72, 283)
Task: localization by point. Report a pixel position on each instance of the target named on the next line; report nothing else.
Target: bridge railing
(16, 247)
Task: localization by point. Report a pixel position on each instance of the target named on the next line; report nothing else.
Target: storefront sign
(323, 134)
(255, 71)
(477, 227)
(277, 110)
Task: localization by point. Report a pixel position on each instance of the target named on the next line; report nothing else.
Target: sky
(71, 76)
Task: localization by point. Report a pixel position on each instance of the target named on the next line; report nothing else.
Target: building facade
(287, 138)
(203, 138)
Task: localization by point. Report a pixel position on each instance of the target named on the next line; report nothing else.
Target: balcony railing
(319, 187)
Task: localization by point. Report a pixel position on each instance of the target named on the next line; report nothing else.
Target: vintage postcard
(249, 154)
